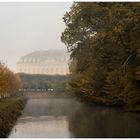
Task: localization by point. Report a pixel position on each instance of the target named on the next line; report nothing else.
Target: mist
(26, 27)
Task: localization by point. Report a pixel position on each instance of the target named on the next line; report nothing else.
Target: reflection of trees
(89, 121)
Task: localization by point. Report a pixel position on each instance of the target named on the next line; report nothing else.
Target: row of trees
(104, 40)
(43, 82)
(9, 82)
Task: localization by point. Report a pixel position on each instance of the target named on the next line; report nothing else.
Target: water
(67, 117)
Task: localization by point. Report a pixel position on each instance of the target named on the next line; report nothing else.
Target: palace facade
(50, 62)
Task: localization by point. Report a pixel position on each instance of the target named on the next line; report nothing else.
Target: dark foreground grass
(10, 110)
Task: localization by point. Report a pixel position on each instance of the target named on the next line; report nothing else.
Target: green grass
(10, 110)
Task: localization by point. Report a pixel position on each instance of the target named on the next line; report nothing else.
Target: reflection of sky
(45, 118)
(39, 127)
(26, 27)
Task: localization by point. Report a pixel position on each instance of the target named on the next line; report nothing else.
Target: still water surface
(67, 117)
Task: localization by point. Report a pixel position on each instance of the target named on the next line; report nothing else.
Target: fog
(27, 27)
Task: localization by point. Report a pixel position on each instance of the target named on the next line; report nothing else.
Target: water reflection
(68, 117)
(45, 118)
(49, 107)
(96, 121)
(39, 127)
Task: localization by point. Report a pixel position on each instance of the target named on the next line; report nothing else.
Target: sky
(27, 27)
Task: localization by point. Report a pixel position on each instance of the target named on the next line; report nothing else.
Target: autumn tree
(103, 39)
(9, 82)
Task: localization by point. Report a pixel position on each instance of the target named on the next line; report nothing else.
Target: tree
(103, 39)
(9, 82)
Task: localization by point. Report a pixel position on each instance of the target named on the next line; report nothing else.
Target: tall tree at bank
(9, 82)
(104, 40)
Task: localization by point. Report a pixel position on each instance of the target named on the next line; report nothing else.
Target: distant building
(51, 62)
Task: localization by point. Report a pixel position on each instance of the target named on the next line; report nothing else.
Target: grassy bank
(10, 110)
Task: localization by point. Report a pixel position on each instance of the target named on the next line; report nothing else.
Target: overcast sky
(27, 27)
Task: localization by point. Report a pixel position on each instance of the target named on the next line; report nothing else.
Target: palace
(51, 62)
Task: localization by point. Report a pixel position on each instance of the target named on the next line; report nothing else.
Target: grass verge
(10, 110)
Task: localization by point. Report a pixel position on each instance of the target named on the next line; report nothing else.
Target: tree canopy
(9, 81)
(104, 41)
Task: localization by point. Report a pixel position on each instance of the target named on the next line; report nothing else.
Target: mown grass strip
(10, 110)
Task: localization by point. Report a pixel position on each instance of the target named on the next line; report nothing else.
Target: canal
(68, 117)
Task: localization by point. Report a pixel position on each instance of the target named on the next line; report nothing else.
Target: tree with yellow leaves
(9, 82)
